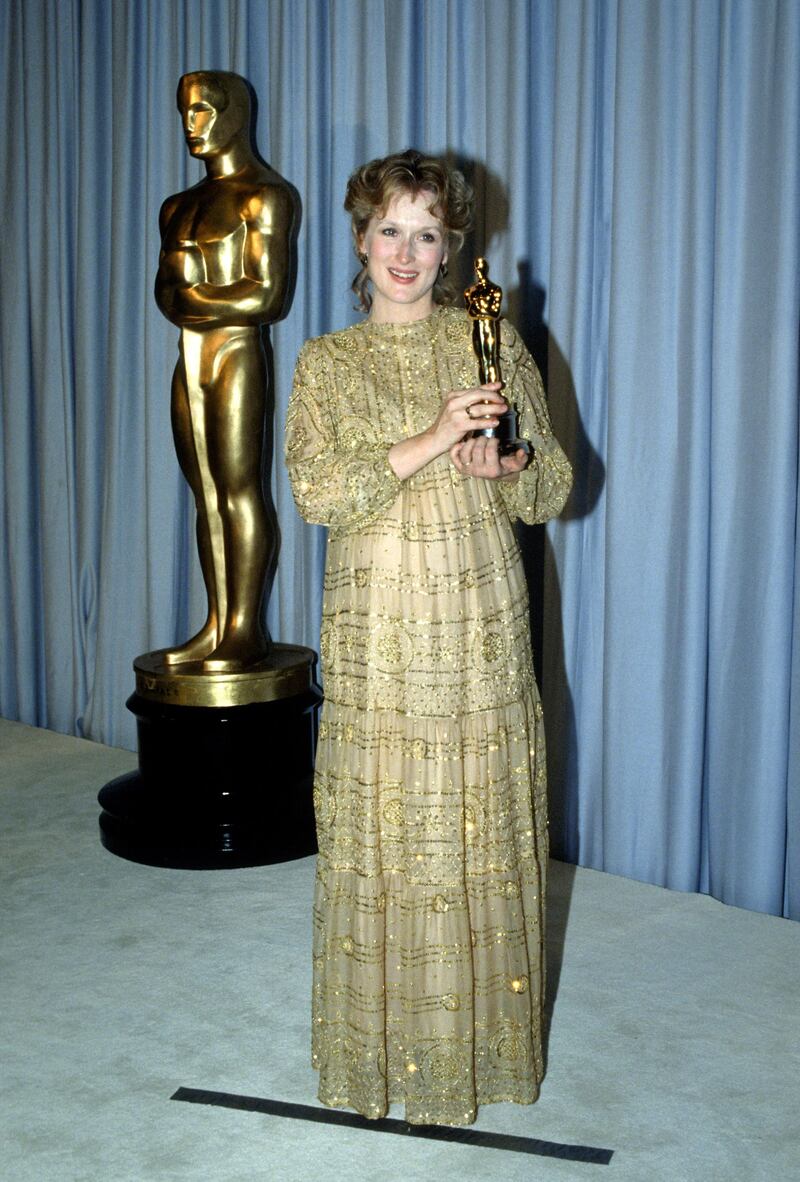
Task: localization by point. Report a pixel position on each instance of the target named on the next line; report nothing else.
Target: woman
(430, 791)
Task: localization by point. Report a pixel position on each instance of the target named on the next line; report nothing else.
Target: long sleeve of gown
(542, 489)
(340, 479)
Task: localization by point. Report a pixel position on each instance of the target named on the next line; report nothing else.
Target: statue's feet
(195, 649)
(236, 651)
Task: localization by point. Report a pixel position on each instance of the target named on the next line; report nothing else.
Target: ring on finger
(469, 411)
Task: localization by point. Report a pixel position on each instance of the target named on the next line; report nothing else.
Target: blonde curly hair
(372, 187)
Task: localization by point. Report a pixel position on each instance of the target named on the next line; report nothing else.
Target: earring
(443, 270)
(362, 258)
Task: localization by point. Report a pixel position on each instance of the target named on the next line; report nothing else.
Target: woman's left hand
(480, 456)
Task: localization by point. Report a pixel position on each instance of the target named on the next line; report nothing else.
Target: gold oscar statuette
(224, 273)
(226, 720)
(484, 299)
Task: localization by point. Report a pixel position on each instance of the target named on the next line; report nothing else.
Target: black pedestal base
(217, 786)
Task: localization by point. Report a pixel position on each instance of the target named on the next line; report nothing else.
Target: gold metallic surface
(225, 272)
(288, 670)
(483, 300)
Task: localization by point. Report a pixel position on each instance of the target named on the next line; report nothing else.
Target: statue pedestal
(226, 765)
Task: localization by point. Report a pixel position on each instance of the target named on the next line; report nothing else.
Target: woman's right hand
(463, 411)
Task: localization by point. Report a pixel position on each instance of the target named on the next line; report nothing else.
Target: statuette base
(226, 766)
(287, 670)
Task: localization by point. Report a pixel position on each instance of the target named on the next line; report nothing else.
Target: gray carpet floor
(674, 1040)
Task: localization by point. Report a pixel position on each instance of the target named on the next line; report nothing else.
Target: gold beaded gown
(430, 790)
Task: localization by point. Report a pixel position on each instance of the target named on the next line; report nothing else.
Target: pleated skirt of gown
(431, 807)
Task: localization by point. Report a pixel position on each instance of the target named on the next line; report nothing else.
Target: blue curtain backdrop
(636, 163)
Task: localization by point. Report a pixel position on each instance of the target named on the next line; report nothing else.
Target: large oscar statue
(227, 719)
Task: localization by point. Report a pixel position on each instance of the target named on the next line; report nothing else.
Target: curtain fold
(636, 166)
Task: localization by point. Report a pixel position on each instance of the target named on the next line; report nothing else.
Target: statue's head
(481, 267)
(215, 109)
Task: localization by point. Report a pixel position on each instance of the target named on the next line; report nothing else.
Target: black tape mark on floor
(350, 1120)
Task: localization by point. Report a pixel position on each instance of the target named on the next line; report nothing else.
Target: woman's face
(405, 249)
